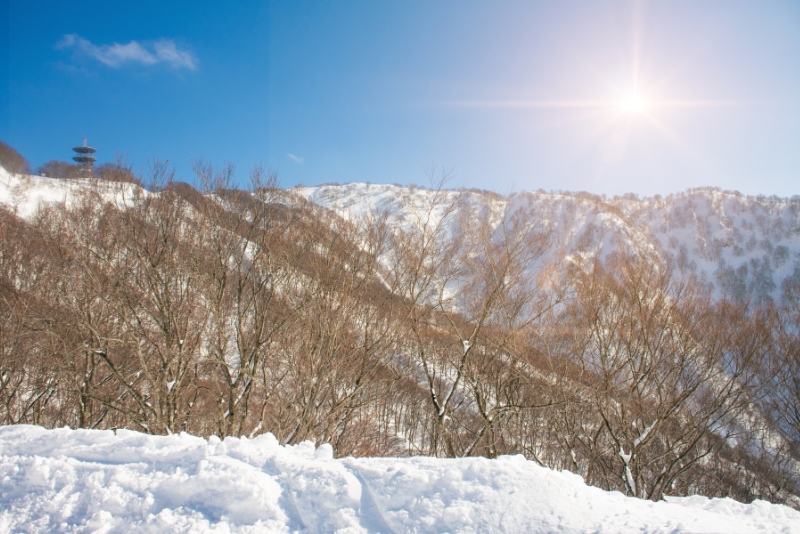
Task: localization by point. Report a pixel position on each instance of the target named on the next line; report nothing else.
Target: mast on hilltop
(86, 159)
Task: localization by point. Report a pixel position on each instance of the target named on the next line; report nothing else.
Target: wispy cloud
(298, 159)
(147, 53)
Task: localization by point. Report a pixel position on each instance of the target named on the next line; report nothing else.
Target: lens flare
(634, 104)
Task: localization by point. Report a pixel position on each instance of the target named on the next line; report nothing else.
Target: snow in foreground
(95, 481)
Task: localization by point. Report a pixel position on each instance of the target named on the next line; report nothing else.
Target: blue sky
(508, 95)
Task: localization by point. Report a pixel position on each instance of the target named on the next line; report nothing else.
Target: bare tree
(467, 277)
(28, 378)
(59, 169)
(666, 376)
(13, 161)
(243, 274)
(160, 307)
(343, 328)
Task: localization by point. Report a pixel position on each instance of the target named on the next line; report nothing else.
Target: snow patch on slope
(23, 194)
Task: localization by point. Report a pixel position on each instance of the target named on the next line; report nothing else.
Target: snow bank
(95, 481)
(23, 194)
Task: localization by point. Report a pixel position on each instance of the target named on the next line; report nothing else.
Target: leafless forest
(236, 313)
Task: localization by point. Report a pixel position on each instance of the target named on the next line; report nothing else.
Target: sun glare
(634, 104)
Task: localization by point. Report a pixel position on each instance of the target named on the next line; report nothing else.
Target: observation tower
(86, 159)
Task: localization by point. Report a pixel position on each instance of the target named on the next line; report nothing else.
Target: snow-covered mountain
(739, 246)
(291, 311)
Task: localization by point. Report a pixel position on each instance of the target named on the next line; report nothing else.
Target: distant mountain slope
(745, 247)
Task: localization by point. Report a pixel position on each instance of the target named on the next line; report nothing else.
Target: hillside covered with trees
(650, 346)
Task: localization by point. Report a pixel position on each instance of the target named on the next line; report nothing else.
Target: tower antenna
(86, 159)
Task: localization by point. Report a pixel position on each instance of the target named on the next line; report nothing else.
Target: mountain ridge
(744, 247)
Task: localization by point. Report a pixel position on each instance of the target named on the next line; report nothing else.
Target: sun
(634, 104)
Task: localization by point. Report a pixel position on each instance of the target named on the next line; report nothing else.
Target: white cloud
(115, 55)
(167, 51)
(298, 159)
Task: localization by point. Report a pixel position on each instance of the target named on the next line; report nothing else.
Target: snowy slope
(95, 481)
(737, 245)
(24, 194)
(742, 246)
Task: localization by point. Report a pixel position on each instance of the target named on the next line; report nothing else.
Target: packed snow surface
(97, 481)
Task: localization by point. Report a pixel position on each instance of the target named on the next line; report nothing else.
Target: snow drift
(97, 481)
